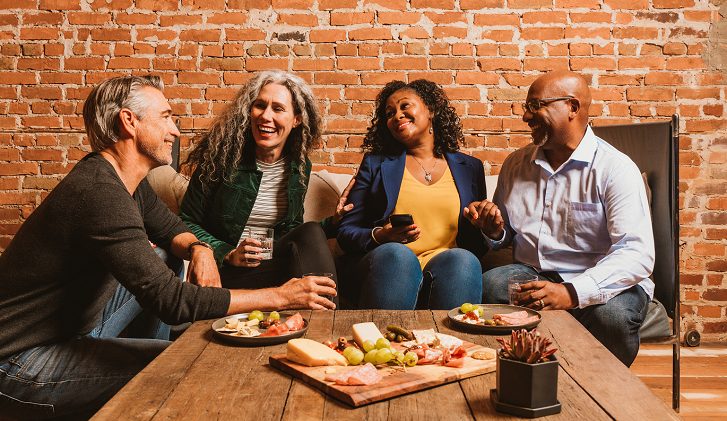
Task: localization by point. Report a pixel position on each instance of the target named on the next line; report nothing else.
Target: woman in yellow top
(414, 167)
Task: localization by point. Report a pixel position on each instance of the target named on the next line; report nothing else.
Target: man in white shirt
(575, 210)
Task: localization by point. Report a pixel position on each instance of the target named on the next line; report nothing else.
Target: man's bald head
(564, 83)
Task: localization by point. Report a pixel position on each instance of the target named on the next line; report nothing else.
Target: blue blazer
(376, 191)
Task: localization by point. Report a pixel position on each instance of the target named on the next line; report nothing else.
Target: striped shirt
(271, 203)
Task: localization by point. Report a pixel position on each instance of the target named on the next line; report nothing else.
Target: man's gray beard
(542, 140)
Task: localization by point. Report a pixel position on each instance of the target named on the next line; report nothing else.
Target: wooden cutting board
(394, 382)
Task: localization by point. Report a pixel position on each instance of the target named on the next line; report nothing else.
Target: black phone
(401, 220)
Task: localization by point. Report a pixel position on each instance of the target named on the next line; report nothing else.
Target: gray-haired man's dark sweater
(54, 275)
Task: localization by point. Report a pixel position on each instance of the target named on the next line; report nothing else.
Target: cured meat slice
(360, 376)
(454, 358)
(295, 322)
(276, 330)
(516, 318)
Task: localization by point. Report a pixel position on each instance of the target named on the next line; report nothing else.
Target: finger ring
(541, 304)
(404, 241)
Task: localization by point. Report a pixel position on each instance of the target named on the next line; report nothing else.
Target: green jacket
(218, 216)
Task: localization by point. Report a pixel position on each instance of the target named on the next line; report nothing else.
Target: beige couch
(324, 188)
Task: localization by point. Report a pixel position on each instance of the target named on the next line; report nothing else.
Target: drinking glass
(266, 236)
(513, 285)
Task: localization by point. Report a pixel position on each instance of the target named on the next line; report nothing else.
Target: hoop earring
(431, 130)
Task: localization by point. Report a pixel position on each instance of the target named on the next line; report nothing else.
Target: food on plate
(368, 346)
(274, 315)
(365, 332)
(410, 359)
(250, 327)
(515, 318)
(311, 353)
(485, 354)
(383, 343)
(360, 376)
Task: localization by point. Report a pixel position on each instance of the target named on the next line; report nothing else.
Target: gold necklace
(427, 174)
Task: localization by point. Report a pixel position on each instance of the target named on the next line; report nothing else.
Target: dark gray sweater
(54, 275)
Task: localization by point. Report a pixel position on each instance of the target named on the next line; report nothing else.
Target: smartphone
(401, 220)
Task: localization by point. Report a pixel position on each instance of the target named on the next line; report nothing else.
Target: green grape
(480, 311)
(370, 356)
(466, 307)
(274, 315)
(353, 355)
(256, 314)
(368, 346)
(399, 356)
(383, 356)
(383, 343)
(411, 359)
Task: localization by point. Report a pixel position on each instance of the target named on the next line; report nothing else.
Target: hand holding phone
(401, 220)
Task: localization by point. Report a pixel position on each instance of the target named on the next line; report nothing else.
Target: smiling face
(156, 131)
(408, 118)
(550, 123)
(272, 118)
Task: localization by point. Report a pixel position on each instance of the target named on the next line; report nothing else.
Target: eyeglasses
(534, 105)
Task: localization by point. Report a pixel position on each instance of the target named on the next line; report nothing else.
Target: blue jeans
(76, 377)
(392, 278)
(615, 323)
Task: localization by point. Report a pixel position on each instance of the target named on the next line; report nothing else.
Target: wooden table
(199, 378)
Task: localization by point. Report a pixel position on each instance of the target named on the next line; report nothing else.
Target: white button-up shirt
(589, 220)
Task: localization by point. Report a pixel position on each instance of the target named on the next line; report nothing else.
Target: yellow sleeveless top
(435, 209)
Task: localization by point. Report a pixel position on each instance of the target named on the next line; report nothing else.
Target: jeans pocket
(20, 409)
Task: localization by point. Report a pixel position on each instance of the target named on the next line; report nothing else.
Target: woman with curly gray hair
(251, 172)
(419, 251)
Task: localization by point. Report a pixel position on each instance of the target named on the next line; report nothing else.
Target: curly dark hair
(445, 121)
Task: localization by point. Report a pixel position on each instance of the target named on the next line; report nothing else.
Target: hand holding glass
(513, 286)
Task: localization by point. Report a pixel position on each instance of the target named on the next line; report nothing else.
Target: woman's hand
(246, 255)
(309, 292)
(391, 234)
(342, 208)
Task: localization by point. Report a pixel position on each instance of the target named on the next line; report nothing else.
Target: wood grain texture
(599, 373)
(198, 377)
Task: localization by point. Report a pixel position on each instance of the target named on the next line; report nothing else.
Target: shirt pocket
(586, 228)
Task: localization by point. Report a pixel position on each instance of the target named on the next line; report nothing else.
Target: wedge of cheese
(312, 353)
(365, 332)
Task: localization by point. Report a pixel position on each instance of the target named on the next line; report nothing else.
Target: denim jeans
(615, 323)
(392, 278)
(74, 378)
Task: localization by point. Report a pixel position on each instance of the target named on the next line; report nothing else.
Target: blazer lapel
(458, 168)
(392, 172)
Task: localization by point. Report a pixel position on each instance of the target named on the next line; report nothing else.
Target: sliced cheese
(430, 337)
(312, 353)
(365, 332)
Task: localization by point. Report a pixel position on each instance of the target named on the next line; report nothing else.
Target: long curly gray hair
(221, 149)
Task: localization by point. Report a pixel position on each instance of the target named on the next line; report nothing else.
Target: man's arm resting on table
(297, 293)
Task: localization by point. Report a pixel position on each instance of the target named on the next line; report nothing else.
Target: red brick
(350, 63)
(298, 19)
(544, 17)
(86, 18)
(353, 18)
(543, 33)
(337, 4)
(498, 19)
(18, 168)
(38, 64)
(649, 94)
(19, 4)
(41, 92)
(449, 32)
(244, 34)
(698, 93)
(405, 63)
(597, 63)
(60, 5)
(257, 64)
(481, 4)
(715, 295)
(292, 4)
(312, 64)
(201, 35)
(156, 5)
(369, 34)
(129, 63)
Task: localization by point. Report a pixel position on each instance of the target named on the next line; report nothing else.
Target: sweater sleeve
(114, 232)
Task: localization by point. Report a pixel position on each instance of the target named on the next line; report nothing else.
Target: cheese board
(396, 381)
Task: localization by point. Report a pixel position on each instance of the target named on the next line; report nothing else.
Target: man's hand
(342, 208)
(309, 292)
(202, 268)
(391, 234)
(544, 295)
(486, 216)
(246, 255)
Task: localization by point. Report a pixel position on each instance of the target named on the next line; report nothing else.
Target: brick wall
(647, 59)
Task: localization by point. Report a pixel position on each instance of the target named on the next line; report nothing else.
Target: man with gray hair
(81, 263)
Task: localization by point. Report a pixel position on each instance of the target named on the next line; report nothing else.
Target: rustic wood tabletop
(201, 378)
